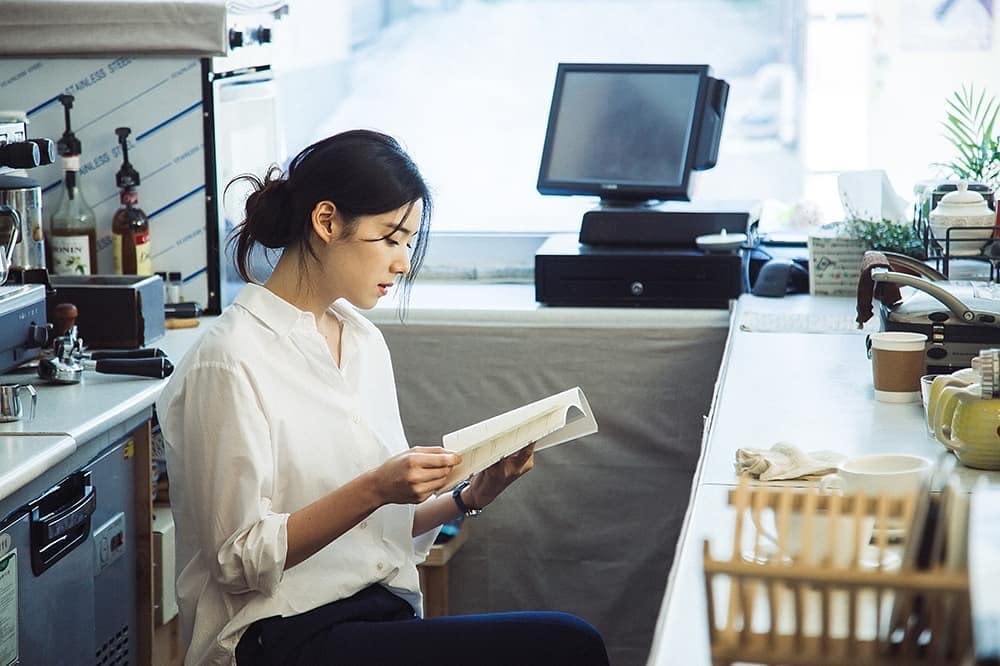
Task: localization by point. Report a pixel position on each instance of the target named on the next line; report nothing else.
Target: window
(817, 87)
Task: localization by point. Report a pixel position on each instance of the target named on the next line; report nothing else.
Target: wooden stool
(434, 574)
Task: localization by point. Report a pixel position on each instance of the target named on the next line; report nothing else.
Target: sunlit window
(817, 87)
(466, 85)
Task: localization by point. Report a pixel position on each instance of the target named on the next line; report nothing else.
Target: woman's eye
(391, 242)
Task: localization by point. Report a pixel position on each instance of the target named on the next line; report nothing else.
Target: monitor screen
(623, 131)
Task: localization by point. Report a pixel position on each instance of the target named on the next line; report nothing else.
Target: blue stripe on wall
(169, 120)
(42, 105)
(52, 186)
(194, 275)
(177, 201)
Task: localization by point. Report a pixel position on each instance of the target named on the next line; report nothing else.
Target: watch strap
(463, 508)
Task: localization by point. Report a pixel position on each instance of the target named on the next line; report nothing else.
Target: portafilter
(66, 361)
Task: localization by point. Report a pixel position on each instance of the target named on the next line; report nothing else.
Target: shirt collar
(275, 312)
(281, 316)
(351, 316)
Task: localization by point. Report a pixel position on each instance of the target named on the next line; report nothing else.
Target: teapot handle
(950, 397)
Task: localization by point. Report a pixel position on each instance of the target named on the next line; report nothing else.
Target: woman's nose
(401, 266)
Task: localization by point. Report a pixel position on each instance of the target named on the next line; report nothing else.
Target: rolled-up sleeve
(229, 465)
(422, 542)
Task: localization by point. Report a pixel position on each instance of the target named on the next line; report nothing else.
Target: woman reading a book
(301, 511)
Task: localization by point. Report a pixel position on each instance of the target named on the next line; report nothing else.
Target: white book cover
(557, 419)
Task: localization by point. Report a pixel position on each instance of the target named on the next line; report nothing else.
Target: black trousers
(376, 628)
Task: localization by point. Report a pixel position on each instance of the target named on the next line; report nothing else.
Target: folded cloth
(888, 293)
(785, 461)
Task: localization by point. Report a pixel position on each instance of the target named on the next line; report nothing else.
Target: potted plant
(885, 236)
(971, 128)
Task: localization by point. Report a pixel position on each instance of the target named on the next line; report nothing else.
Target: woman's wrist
(373, 490)
(470, 499)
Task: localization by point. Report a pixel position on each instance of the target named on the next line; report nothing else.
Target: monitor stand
(667, 223)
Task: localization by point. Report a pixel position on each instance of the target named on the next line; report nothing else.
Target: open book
(559, 418)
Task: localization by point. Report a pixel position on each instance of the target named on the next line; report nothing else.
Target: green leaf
(971, 117)
(961, 129)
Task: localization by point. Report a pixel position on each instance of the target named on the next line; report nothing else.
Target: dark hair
(362, 172)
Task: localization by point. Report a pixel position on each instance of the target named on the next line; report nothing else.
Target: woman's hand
(414, 475)
(485, 486)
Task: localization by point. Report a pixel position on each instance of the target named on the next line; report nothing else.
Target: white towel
(785, 461)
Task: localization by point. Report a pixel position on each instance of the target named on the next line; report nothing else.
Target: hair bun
(270, 201)
(276, 186)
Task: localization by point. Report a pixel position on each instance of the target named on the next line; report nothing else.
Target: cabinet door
(55, 609)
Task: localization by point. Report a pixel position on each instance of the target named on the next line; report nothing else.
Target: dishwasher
(67, 569)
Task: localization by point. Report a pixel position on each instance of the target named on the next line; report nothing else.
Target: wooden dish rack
(814, 608)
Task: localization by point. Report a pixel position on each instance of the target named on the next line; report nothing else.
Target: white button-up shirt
(259, 422)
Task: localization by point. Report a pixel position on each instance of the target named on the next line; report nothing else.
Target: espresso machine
(23, 326)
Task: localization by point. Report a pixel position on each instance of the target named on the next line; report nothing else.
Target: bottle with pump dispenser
(72, 246)
(130, 225)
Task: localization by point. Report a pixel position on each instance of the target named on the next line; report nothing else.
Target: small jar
(957, 210)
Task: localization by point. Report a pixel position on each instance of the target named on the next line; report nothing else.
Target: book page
(554, 420)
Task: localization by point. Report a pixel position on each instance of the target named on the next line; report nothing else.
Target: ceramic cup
(882, 473)
(897, 365)
(926, 383)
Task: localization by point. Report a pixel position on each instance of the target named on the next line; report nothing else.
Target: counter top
(70, 415)
(25, 457)
(813, 390)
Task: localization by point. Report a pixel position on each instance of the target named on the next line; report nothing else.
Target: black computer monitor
(631, 133)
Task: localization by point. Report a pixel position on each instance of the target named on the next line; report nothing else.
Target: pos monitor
(632, 135)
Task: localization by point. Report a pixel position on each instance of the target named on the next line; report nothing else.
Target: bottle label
(70, 255)
(143, 253)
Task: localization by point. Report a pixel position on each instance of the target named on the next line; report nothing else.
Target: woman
(301, 511)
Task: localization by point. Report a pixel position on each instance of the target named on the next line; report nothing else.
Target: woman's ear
(325, 221)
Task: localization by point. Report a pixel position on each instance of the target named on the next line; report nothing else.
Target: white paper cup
(897, 365)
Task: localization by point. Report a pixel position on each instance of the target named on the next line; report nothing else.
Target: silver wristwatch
(456, 495)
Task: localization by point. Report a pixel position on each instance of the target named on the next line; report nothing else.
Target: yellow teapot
(960, 378)
(969, 425)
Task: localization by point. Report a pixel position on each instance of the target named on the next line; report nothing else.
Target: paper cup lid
(898, 341)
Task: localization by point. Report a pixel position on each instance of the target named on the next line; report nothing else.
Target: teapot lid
(963, 196)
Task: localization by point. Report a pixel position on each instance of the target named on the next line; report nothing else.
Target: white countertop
(70, 415)
(811, 389)
(23, 458)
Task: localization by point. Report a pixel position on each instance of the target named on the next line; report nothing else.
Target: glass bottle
(72, 246)
(130, 237)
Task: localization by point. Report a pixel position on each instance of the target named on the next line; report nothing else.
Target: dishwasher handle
(60, 520)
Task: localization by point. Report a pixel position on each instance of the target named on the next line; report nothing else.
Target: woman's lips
(384, 288)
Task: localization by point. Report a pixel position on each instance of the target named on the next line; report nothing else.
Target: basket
(816, 608)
